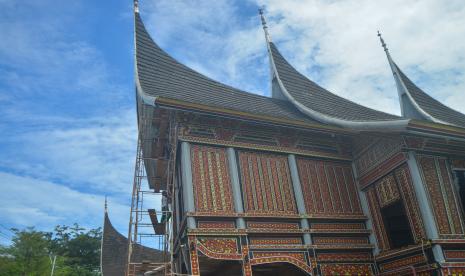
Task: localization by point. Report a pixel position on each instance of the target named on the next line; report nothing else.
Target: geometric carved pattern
(212, 185)
(410, 202)
(219, 248)
(194, 258)
(346, 269)
(340, 240)
(338, 226)
(297, 256)
(395, 186)
(378, 222)
(272, 225)
(378, 150)
(437, 180)
(216, 224)
(406, 261)
(266, 184)
(387, 191)
(454, 254)
(345, 257)
(297, 259)
(328, 187)
(275, 241)
(454, 270)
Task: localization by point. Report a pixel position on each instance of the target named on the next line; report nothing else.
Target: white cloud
(332, 42)
(424, 37)
(43, 204)
(95, 154)
(212, 37)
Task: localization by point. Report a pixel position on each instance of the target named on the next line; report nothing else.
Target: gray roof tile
(115, 251)
(430, 105)
(318, 99)
(161, 75)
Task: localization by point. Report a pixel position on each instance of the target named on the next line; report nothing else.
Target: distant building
(301, 183)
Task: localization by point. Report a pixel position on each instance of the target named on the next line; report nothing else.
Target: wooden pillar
(299, 198)
(425, 207)
(236, 188)
(187, 187)
(366, 212)
(246, 266)
(194, 258)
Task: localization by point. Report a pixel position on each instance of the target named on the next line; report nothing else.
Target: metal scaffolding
(148, 227)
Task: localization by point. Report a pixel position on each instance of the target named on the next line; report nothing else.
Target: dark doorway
(397, 225)
(277, 269)
(460, 176)
(213, 267)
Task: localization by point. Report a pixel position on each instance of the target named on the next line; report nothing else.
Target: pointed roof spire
(265, 27)
(136, 6)
(382, 42)
(415, 103)
(106, 205)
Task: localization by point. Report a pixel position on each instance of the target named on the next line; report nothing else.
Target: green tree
(29, 253)
(77, 252)
(80, 248)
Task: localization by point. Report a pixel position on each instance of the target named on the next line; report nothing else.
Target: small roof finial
(382, 42)
(136, 6)
(106, 204)
(265, 27)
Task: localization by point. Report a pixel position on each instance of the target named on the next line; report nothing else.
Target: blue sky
(67, 112)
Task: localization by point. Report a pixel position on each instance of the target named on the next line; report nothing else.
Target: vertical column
(194, 258)
(237, 195)
(425, 208)
(299, 198)
(366, 211)
(187, 188)
(246, 266)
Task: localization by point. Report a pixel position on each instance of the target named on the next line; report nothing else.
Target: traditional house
(301, 183)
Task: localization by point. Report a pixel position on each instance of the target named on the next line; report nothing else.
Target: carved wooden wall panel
(370, 152)
(266, 183)
(346, 269)
(412, 208)
(211, 180)
(404, 262)
(346, 257)
(274, 242)
(328, 187)
(438, 181)
(395, 186)
(378, 223)
(219, 247)
(216, 224)
(273, 225)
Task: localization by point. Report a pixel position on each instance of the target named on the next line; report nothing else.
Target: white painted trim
(426, 210)
(366, 211)
(237, 195)
(299, 198)
(417, 107)
(187, 186)
(382, 126)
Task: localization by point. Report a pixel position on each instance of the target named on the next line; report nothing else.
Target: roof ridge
(418, 93)
(159, 75)
(416, 103)
(334, 94)
(196, 72)
(325, 106)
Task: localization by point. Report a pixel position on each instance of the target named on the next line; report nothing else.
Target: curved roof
(160, 75)
(319, 100)
(429, 105)
(114, 251)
